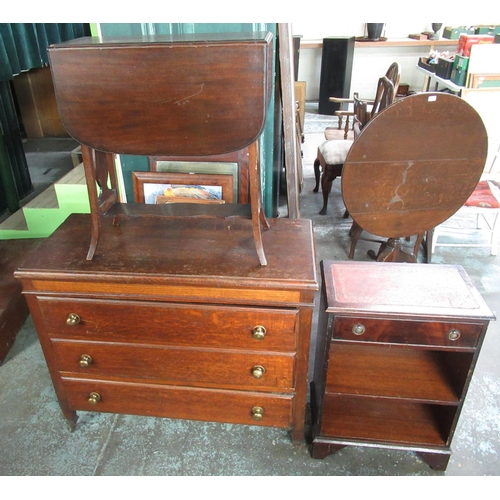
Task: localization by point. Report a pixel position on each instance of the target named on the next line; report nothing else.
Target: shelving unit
(397, 346)
(390, 42)
(445, 82)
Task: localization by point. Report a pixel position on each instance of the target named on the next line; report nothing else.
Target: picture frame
(181, 187)
(226, 164)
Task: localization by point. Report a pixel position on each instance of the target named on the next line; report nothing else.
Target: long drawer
(444, 334)
(174, 324)
(173, 365)
(251, 408)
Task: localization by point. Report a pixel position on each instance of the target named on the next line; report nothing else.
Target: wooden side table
(397, 347)
(186, 95)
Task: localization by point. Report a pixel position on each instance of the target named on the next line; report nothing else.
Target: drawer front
(174, 365)
(445, 334)
(174, 324)
(238, 407)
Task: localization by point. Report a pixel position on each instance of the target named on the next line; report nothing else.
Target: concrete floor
(35, 441)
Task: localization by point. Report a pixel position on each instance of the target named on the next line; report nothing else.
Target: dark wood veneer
(176, 96)
(393, 368)
(171, 325)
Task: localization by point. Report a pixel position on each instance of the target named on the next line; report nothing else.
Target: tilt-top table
(412, 167)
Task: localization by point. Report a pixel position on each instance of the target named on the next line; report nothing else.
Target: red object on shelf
(465, 42)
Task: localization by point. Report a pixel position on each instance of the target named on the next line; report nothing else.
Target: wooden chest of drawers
(397, 346)
(187, 327)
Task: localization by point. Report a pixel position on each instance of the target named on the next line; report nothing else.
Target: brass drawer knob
(259, 332)
(258, 371)
(85, 361)
(358, 329)
(72, 319)
(454, 334)
(257, 413)
(94, 398)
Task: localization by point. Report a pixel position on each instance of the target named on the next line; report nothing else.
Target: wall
(370, 62)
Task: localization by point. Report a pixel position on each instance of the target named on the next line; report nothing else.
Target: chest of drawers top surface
(420, 291)
(184, 252)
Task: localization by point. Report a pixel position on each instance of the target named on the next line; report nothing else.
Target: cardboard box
(454, 33)
(459, 70)
(444, 67)
(418, 36)
(423, 62)
(487, 30)
(465, 42)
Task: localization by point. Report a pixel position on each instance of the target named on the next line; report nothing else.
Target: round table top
(414, 165)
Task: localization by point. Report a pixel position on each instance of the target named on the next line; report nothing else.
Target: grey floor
(35, 441)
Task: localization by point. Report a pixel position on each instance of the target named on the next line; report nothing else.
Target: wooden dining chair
(483, 208)
(333, 153)
(393, 73)
(365, 110)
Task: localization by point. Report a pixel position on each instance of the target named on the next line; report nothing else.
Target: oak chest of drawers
(187, 326)
(397, 346)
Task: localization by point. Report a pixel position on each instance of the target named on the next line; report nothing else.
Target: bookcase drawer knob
(258, 371)
(257, 413)
(85, 361)
(454, 334)
(259, 332)
(72, 319)
(358, 329)
(94, 398)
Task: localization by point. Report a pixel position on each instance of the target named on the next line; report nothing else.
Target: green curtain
(16, 182)
(134, 163)
(23, 46)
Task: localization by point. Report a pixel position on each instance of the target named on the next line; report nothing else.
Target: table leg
(393, 251)
(321, 449)
(437, 461)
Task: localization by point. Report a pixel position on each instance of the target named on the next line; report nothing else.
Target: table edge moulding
(396, 349)
(189, 327)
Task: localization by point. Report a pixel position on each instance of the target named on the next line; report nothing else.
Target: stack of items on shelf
(453, 33)
(435, 62)
(454, 66)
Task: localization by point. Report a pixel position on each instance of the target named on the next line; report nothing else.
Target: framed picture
(220, 165)
(158, 188)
